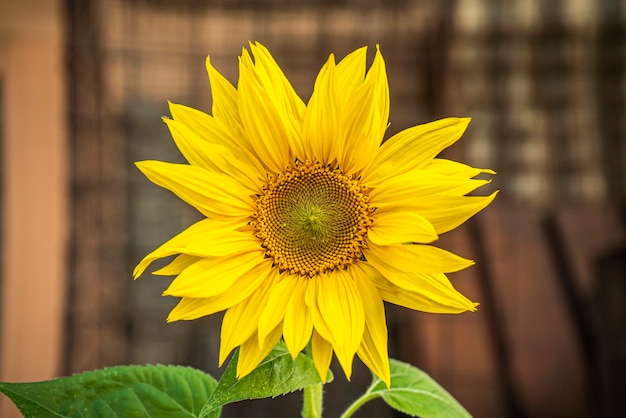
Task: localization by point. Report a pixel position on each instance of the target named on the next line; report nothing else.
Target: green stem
(312, 406)
(367, 396)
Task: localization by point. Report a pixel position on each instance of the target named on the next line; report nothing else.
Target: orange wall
(34, 220)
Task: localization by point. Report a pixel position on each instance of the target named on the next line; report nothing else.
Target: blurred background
(83, 85)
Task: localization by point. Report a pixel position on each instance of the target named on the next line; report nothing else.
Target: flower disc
(312, 219)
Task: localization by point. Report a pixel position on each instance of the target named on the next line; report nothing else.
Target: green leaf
(277, 375)
(415, 393)
(123, 391)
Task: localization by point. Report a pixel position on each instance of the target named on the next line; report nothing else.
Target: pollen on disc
(312, 219)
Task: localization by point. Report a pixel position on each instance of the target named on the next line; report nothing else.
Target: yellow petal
(193, 308)
(214, 195)
(429, 299)
(424, 292)
(455, 169)
(400, 226)
(211, 156)
(212, 276)
(375, 357)
(241, 321)
(373, 306)
(178, 264)
(195, 149)
(290, 105)
(207, 237)
(312, 301)
(320, 128)
(298, 323)
(373, 348)
(274, 312)
(351, 73)
(223, 132)
(272, 76)
(413, 148)
(322, 354)
(225, 102)
(415, 258)
(364, 119)
(409, 188)
(251, 354)
(262, 120)
(212, 243)
(447, 212)
(204, 125)
(378, 73)
(342, 309)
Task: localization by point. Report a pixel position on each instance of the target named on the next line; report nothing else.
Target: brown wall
(34, 186)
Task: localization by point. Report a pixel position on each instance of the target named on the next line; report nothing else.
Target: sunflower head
(310, 223)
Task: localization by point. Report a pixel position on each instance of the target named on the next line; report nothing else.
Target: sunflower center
(312, 219)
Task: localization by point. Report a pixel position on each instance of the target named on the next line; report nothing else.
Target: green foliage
(123, 391)
(277, 375)
(174, 391)
(415, 393)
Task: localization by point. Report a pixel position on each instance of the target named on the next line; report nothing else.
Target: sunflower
(310, 223)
